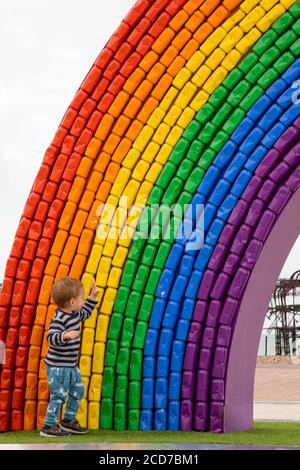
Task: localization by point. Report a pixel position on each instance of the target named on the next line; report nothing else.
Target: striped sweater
(61, 352)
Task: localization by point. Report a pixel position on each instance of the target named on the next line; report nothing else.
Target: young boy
(63, 375)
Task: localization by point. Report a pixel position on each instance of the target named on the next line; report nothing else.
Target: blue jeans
(65, 384)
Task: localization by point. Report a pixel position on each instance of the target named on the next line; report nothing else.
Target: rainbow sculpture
(190, 102)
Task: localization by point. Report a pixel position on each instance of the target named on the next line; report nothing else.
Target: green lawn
(276, 433)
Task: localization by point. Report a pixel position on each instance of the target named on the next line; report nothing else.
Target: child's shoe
(73, 426)
(53, 431)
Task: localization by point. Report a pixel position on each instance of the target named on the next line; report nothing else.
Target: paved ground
(276, 411)
(277, 392)
(277, 382)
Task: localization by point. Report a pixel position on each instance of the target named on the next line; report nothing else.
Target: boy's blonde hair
(65, 289)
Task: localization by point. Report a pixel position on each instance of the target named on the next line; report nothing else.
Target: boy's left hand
(94, 290)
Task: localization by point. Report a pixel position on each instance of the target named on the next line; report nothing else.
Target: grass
(273, 433)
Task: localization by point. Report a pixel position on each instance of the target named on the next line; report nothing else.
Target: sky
(46, 50)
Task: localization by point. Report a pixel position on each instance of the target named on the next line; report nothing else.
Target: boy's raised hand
(94, 289)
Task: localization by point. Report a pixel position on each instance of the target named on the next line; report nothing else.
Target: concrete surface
(277, 392)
